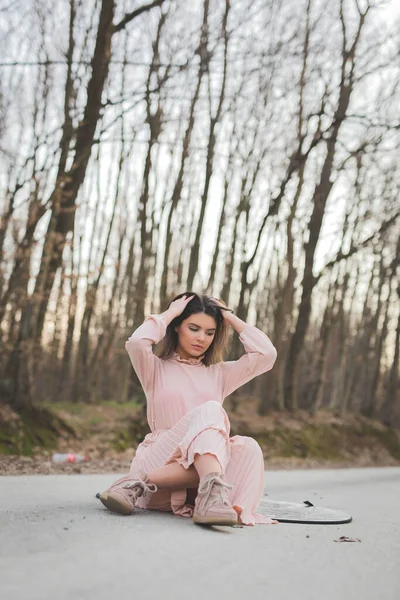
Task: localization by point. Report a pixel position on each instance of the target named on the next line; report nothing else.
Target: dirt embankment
(109, 433)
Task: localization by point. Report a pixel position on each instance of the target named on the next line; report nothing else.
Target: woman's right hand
(178, 306)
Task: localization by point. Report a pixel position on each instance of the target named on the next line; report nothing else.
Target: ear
(176, 329)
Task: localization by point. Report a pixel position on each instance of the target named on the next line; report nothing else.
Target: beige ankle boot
(212, 506)
(122, 495)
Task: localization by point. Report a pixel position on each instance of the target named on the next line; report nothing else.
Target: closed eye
(209, 333)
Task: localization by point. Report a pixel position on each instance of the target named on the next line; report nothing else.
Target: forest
(246, 149)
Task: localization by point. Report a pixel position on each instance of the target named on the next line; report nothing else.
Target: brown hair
(199, 304)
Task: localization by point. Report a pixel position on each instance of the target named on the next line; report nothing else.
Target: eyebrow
(195, 324)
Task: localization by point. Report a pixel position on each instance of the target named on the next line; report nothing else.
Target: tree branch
(356, 247)
(135, 13)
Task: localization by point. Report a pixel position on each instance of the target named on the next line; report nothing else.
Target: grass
(115, 426)
(327, 441)
(80, 409)
(34, 428)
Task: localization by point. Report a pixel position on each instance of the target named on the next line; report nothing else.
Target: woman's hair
(199, 304)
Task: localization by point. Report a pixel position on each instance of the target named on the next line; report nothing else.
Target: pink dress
(185, 415)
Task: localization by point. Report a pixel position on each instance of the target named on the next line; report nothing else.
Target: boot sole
(113, 505)
(226, 521)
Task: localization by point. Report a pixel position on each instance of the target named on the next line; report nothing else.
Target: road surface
(58, 542)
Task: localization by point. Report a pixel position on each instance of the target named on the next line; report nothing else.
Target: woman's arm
(139, 346)
(150, 332)
(237, 324)
(259, 358)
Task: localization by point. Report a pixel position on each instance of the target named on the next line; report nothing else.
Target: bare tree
(217, 141)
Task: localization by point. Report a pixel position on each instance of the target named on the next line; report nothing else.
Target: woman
(188, 463)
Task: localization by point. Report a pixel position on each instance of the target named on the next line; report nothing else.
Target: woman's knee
(213, 404)
(210, 406)
(209, 415)
(248, 445)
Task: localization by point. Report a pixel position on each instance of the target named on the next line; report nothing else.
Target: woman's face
(195, 335)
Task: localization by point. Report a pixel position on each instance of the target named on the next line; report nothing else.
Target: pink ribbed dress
(185, 415)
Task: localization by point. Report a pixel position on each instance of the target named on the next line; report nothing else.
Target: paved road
(57, 542)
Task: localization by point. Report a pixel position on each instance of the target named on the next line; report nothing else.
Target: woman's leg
(200, 462)
(246, 472)
(174, 475)
(200, 439)
(205, 464)
(212, 506)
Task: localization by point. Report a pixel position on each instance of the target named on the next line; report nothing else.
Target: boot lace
(144, 488)
(214, 490)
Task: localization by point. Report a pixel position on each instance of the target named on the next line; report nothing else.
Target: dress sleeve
(139, 348)
(259, 358)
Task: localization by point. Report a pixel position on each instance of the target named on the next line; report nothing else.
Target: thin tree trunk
(393, 379)
(72, 305)
(154, 122)
(177, 191)
(195, 249)
(321, 195)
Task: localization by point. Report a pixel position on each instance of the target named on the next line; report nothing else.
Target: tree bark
(320, 198)
(195, 249)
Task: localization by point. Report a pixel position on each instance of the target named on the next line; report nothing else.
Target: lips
(198, 347)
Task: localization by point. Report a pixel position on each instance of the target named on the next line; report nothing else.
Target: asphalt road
(58, 542)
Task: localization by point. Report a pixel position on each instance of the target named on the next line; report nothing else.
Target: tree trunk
(195, 250)
(320, 198)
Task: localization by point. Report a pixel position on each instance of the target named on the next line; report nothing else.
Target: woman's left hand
(230, 318)
(226, 312)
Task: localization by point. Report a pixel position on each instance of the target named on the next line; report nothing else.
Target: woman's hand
(226, 312)
(178, 306)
